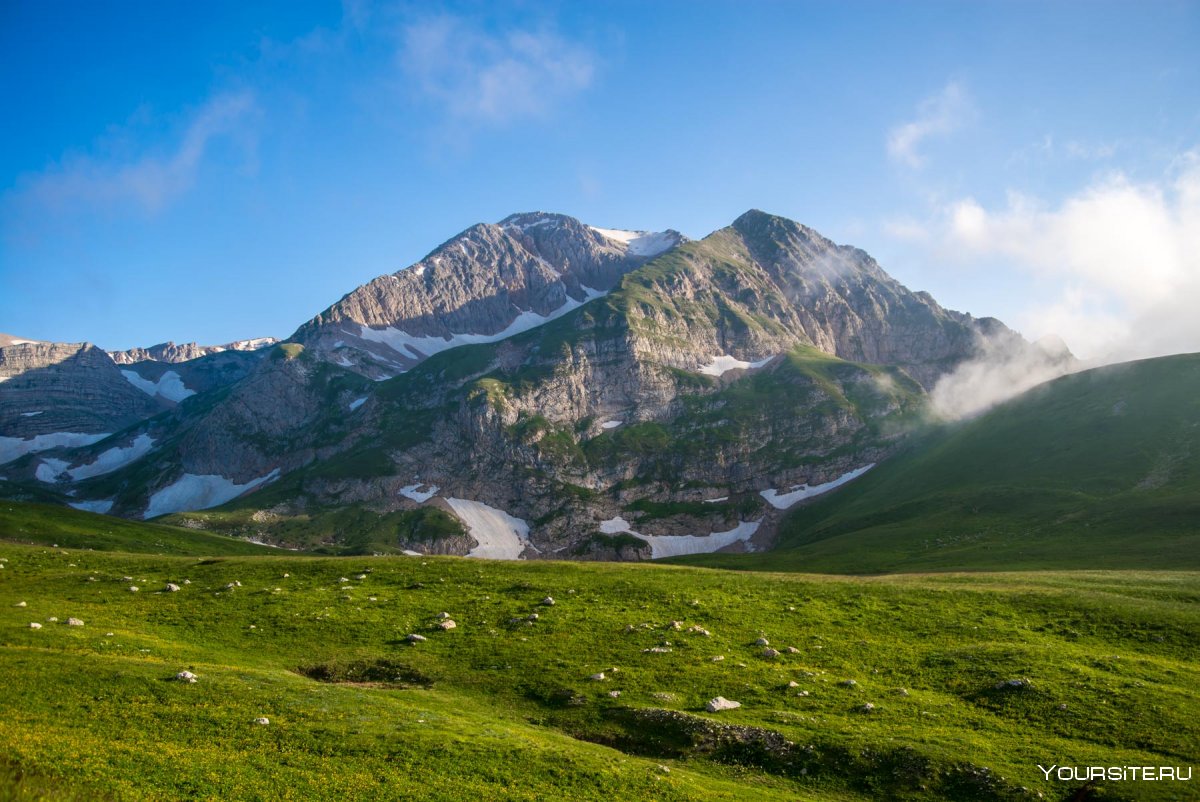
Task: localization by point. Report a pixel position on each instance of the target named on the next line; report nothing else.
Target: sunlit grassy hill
(503, 706)
(1099, 469)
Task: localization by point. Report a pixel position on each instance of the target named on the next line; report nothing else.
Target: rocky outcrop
(488, 282)
(171, 353)
(66, 387)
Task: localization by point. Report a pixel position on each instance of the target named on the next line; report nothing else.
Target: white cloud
(1125, 257)
(939, 115)
(490, 78)
(150, 181)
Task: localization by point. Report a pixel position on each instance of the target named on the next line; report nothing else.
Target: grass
(502, 707)
(44, 524)
(1092, 470)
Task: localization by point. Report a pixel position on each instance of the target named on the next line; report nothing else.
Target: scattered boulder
(675, 625)
(848, 683)
(902, 691)
(1013, 685)
(597, 677)
(721, 703)
(614, 694)
(656, 650)
(762, 642)
(443, 615)
(531, 617)
(74, 622)
(413, 637)
(360, 577)
(447, 624)
(172, 587)
(717, 658)
(867, 708)
(793, 684)
(262, 720)
(699, 630)
(792, 650)
(770, 653)
(548, 601)
(187, 581)
(20, 604)
(53, 619)
(34, 625)
(186, 676)
(134, 588)
(802, 693)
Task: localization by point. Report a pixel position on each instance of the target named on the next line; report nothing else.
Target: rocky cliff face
(62, 387)
(487, 283)
(171, 353)
(556, 389)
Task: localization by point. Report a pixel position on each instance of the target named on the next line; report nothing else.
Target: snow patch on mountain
(31, 414)
(500, 535)
(199, 492)
(611, 424)
(169, 385)
(781, 501)
(640, 243)
(417, 494)
(721, 364)
(678, 545)
(114, 458)
(12, 448)
(358, 402)
(414, 347)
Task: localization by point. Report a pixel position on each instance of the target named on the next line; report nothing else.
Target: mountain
(171, 353)
(544, 387)
(487, 283)
(1095, 469)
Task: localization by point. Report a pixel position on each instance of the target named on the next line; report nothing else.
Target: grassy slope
(511, 714)
(23, 522)
(1095, 470)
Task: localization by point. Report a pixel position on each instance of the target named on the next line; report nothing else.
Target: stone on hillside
(343, 579)
(187, 581)
(35, 625)
(793, 684)
(1013, 684)
(360, 577)
(185, 676)
(718, 658)
(413, 637)
(656, 650)
(53, 619)
(548, 601)
(443, 615)
(867, 708)
(614, 694)
(74, 622)
(802, 693)
(134, 588)
(231, 585)
(792, 650)
(721, 703)
(848, 683)
(762, 642)
(447, 624)
(262, 720)
(902, 691)
(770, 653)
(20, 604)
(597, 677)
(676, 625)
(699, 630)
(172, 587)
(531, 617)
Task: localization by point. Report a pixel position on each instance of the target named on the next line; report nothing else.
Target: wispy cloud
(1118, 261)
(149, 181)
(493, 78)
(939, 115)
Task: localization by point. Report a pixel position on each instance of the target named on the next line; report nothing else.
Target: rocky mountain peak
(484, 284)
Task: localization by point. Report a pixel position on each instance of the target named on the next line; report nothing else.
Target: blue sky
(212, 171)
